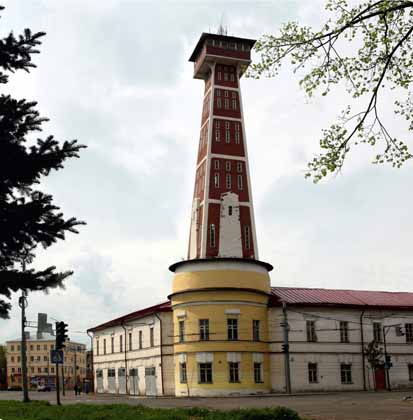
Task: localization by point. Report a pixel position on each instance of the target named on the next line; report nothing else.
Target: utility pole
(23, 306)
(286, 350)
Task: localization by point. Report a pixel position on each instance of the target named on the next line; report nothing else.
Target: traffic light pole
(23, 305)
(57, 385)
(63, 376)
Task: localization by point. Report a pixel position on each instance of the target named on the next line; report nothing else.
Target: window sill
(205, 383)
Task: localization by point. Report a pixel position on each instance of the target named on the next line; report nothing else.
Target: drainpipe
(92, 361)
(126, 360)
(362, 349)
(160, 334)
(286, 349)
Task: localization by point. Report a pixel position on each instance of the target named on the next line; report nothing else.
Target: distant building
(40, 370)
(224, 330)
(3, 368)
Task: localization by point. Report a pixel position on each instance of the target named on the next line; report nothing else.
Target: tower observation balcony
(222, 48)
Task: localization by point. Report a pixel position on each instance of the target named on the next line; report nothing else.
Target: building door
(99, 380)
(380, 378)
(133, 382)
(150, 381)
(111, 381)
(122, 380)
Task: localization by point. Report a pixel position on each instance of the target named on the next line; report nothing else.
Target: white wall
(328, 352)
(137, 358)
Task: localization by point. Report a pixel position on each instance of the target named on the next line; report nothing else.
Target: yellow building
(40, 370)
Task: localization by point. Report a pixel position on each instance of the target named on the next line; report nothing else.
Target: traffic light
(285, 348)
(61, 335)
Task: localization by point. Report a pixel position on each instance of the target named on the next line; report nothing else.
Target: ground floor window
(205, 373)
(182, 372)
(346, 377)
(411, 372)
(258, 373)
(233, 371)
(312, 373)
(111, 373)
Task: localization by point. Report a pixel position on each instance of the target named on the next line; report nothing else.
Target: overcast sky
(115, 75)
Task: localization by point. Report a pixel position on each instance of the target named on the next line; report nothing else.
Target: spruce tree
(28, 216)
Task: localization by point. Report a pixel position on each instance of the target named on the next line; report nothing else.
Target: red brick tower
(222, 222)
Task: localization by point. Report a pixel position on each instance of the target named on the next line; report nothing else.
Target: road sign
(56, 356)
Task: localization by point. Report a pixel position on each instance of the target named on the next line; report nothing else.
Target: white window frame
(228, 181)
(212, 236)
(239, 182)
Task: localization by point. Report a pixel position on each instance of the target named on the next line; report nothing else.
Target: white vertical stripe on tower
(204, 236)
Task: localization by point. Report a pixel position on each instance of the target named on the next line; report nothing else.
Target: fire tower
(222, 222)
(220, 293)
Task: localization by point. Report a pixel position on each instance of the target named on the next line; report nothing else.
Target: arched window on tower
(247, 239)
(216, 180)
(212, 236)
(239, 179)
(228, 181)
(237, 133)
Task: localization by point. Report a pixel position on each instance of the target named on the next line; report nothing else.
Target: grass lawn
(40, 410)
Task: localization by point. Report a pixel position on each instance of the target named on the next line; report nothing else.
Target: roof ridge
(340, 290)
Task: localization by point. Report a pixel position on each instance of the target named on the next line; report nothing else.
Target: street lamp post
(23, 306)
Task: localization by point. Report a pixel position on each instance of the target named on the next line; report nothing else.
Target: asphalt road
(337, 406)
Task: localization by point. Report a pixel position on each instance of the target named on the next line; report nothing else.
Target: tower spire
(222, 220)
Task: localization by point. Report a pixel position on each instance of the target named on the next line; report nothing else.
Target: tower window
(237, 137)
(239, 167)
(346, 377)
(216, 164)
(181, 331)
(311, 333)
(205, 373)
(130, 341)
(204, 329)
(377, 329)
(258, 373)
(234, 104)
(219, 103)
(228, 165)
(256, 330)
(312, 373)
(226, 76)
(227, 136)
(344, 332)
(151, 337)
(233, 371)
(121, 343)
(112, 344)
(226, 103)
(140, 340)
(247, 237)
(182, 372)
(229, 210)
(219, 75)
(218, 92)
(216, 180)
(239, 180)
(226, 94)
(232, 325)
(212, 236)
(228, 179)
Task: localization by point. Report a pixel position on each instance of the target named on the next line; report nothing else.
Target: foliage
(368, 47)
(374, 354)
(13, 410)
(28, 216)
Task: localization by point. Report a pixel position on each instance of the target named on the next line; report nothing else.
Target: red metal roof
(161, 307)
(306, 296)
